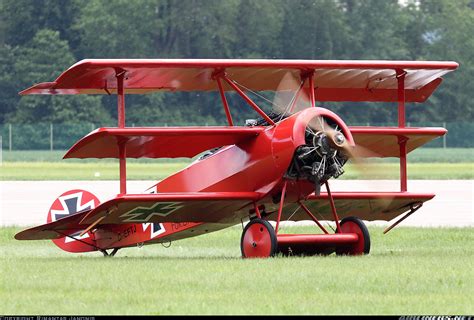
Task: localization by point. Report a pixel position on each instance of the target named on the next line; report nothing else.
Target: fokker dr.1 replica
(270, 169)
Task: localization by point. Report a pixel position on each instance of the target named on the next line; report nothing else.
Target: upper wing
(215, 207)
(334, 80)
(167, 142)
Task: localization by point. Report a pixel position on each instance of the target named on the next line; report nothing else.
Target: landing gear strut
(261, 240)
(111, 254)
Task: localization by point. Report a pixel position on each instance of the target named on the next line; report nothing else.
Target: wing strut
(121, 124)
(311, 88)
(402, 141)
(224, 102)
(413, 209)
(245, 97)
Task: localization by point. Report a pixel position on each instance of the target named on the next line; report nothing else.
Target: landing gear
(355, 225)
(258, 240)
(111, 254)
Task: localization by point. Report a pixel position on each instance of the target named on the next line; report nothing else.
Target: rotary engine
(322, 157)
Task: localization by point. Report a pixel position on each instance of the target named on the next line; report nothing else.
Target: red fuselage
(257, 165)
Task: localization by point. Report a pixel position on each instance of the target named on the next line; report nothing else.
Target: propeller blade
(290, 96)
(357, 157)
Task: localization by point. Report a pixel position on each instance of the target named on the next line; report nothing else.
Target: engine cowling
(323, 154)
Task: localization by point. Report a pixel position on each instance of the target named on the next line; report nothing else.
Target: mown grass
(424, 163)
(409, 271)
(85, 171)
(155, 171)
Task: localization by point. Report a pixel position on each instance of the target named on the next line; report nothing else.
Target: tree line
(41, 38)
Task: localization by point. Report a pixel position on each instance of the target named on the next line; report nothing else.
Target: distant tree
(21, 19)
(313, 30)
(8, 90)
(43, 59)
(258, 27)
(116, 29)
(41, 38)
(375, 30)
(448, 36)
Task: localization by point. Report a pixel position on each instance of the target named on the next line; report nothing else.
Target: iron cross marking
(144, 214)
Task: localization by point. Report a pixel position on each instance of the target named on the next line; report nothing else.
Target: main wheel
(258, 240)
(355, 225)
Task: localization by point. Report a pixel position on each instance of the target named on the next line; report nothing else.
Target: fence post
(444, 137)
(51, 136)
(10, 137)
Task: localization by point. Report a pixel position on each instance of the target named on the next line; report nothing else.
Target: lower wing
(212, 207)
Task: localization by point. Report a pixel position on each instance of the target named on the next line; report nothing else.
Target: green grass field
(424, 163)
(409, 271)
(155, 171)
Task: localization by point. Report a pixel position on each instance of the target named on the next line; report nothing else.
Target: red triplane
(271, 169)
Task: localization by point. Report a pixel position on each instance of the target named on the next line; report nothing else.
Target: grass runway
(409, 271)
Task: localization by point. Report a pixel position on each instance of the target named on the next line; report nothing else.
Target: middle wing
(385, 141)
(160, 142)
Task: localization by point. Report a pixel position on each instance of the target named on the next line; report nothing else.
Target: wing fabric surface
(384, 142)
(224, 208)
(368, 206)
(334, 80)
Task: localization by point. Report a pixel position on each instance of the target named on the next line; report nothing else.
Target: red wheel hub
(258, 240)
(354, 225)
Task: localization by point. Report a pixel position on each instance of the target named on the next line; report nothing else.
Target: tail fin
(63, 222)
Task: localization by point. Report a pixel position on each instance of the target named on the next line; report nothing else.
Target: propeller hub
(339, 139)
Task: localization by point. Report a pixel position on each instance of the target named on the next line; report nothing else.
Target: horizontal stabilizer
(161, 142)
(56, 229)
